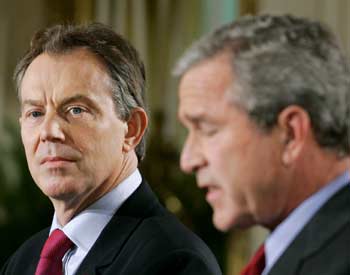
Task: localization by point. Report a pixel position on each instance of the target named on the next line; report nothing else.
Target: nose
(51, 129)
(191, 156)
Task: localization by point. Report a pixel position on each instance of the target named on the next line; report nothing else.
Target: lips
(213, 194)
(204, 182)
(55, 159)
(212, 191)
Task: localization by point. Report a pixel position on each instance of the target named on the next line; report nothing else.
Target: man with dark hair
(266, 101)
(83, 119)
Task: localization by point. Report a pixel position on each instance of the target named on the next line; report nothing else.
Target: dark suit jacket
(141, 238)
(323, 246)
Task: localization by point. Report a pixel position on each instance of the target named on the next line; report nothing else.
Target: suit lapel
(319, 231)
(140, 204)
(28, 263)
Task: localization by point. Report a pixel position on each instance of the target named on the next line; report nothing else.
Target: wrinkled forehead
(212, 79)
(82, 60)
(76, 71)
(207, 87)
(216, 71)
(81, 57)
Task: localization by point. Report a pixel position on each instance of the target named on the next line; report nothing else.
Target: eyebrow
(193, 114)
(78, 97)
(30, 102)
(197, 119)
(193, 118)
(66, 101)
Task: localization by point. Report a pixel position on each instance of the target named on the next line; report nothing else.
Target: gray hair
(121, 60)
(281, 61)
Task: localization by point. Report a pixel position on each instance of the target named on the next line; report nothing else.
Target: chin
(222, 223)
(59, 189)
(62, 195)
(228, 221)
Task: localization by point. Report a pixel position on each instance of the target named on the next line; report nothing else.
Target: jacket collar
(331, 218)
(141, 204)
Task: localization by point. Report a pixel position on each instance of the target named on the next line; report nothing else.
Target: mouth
(212, 192)
(56, 161)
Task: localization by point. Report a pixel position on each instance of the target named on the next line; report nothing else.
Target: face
(73, 139)
(235, 162)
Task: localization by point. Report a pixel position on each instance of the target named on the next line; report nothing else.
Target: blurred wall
(334, 13)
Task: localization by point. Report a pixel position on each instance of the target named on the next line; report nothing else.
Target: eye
(35, 114)
(207, 129)
(76, 110)
(209, 132)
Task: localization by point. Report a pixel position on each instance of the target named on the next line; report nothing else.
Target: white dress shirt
(84, 229)
(286, 232)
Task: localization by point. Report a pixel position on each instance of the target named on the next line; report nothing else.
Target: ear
(137, 125)
(295, 124)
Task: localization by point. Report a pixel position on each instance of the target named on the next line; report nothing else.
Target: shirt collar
(84, 229)
(286, 232)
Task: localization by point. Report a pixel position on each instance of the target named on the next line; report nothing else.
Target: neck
(67, 209)
(310, 176)
(326, 171)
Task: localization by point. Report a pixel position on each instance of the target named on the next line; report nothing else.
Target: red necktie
(256, 264)
(55, 247)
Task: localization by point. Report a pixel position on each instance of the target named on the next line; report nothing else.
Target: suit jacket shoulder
(25, 259)
(141, 238)
(323, 246)
(144, 238)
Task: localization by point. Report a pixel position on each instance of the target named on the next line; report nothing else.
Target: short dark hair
(283, 60)
(121, 60)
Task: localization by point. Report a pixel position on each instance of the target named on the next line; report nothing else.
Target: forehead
(206, 84)
(78, 69)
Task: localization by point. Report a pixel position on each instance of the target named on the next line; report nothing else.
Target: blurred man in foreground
(266, 102)
(83, 120)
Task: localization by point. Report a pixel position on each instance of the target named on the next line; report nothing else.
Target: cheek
(222, 157)
(234, 165)
(225, 170)
(28, 142)
(102, 146)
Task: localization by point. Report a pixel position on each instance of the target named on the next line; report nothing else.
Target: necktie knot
(257, 263)
(52, 253)
(56, 245)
